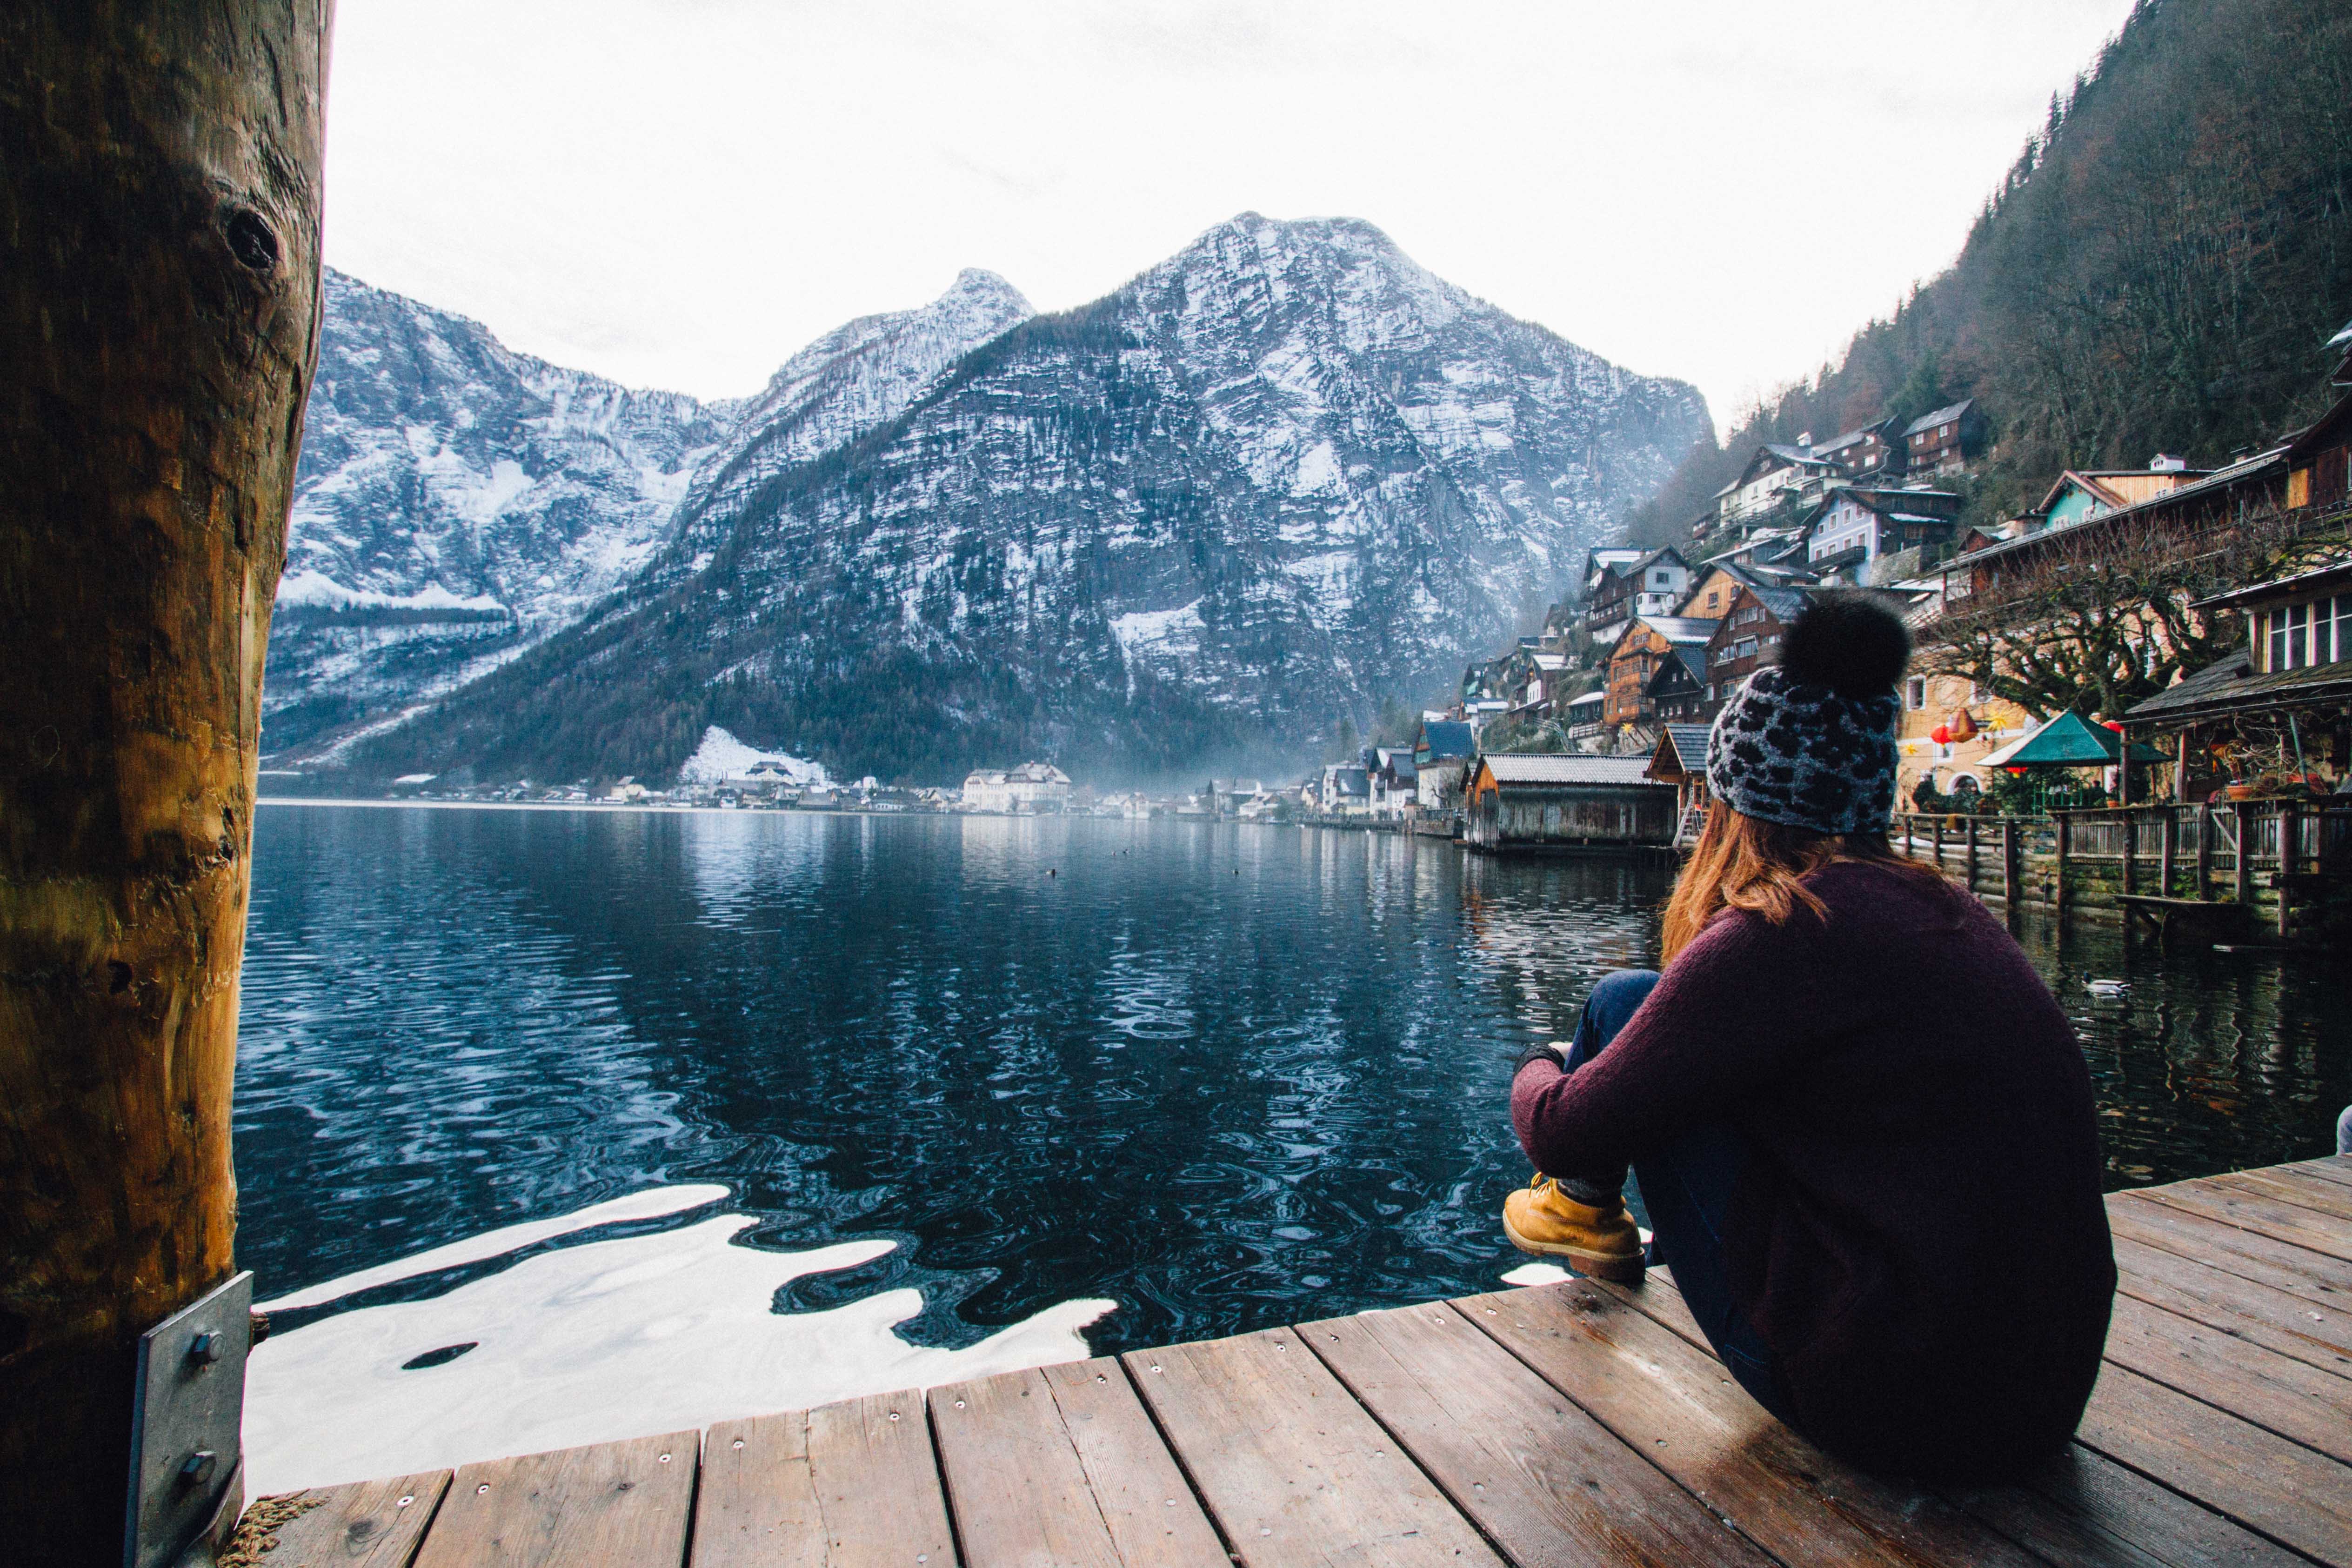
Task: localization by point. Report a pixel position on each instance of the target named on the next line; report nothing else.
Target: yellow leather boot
(1599, 1241)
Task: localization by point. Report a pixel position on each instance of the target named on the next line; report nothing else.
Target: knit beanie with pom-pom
(1810, 742)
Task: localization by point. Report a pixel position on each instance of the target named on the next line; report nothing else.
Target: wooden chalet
(1650, 585)
(1678, 692)
(1749, 638)
(2289, 690)
(1521, 801)
(1859, 523)
(1871, 449)
(1644, 646)
(2315, 458)
(1681, 760)
(1945, 441)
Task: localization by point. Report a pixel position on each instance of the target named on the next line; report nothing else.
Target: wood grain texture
(1145, 1500)
(2217, 1243)
(2292, 1325)
(372, 1524)
(1657, 1300)
(2288, 1396)
(1295, 1471)
(758, 1501)
(2336, 1169)
(2265, 1481)
(2287, 1222)
(878, 1482)
(1547, 1483)
(2331, 1198)
(2083, 1508)
(1024, 1495)
(1678, 1408)
(608, 1505)
(160, 191)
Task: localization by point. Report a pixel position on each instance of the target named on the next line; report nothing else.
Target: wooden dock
(1572, 1423)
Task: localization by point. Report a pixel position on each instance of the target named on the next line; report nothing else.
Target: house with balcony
(1945, 441)
(1646, 646)
(1860, 525)
(1651, 584)
(1748, 637)
(1777, 476)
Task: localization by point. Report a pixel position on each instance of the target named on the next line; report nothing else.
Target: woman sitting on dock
(1861, 1126)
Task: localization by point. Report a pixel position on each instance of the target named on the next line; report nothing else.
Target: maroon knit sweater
(1917, 1233)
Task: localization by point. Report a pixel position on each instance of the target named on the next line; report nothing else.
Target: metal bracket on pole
(187, 1477)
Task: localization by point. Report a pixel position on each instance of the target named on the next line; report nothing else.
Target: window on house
(1915, 693)
(1746, 648)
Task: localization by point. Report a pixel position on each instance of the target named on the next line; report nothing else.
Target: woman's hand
(1552, 1050)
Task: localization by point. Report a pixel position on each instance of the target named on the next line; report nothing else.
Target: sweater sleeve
(1731, 1012)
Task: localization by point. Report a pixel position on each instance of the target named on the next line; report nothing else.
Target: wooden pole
(2242, 873)
(1939, 843)
(2131, 848)
(159, 315)
(2167, 853)
(2205, 829)
(2290, 821)
(1972, 853)
(2058, 881)
(2008, 866)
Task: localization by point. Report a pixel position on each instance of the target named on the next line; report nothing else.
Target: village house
(1776, 475)
(1681, 760)
(1030, 788)
(1945, 440)
(1859, 525)
(1524, 801)
(1710, 598)
(1947, 728)
(1678, 692)
(2281, 706)
(1873, 449)
(1646, 644)
(1651, 585)
(1346, 790)
(1441, 755)
(1748, 637)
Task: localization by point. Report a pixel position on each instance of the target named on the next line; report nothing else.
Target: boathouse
(1681, 762)
(1517, 801)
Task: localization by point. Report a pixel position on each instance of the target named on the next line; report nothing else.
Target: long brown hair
(1745, 862)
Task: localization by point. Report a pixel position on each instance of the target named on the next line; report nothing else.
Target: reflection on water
(1220, 1076)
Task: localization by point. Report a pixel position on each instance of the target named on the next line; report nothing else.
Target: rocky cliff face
(457, 503)
(1271, 482)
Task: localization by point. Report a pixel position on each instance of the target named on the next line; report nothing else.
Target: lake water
(884, 1101)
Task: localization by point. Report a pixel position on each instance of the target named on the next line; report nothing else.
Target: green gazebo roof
(2070, 741)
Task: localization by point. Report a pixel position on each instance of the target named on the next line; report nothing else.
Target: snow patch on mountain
(722, 757)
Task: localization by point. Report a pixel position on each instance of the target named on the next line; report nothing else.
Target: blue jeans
(1686, 1186)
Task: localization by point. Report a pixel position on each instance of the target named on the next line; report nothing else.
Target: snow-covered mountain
(455, 503)
(1280, 477)
(458, 502)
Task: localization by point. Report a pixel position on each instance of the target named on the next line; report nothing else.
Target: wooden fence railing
(2270, 859)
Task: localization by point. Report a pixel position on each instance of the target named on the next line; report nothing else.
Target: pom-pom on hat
(1810, 742)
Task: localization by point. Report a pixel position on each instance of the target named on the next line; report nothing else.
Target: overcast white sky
(680, 192)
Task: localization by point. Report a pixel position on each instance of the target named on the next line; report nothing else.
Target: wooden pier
(1572, 1423)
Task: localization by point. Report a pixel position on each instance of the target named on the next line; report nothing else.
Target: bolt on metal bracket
(184, 1453)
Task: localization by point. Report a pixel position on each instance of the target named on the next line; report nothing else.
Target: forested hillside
(2157, 272)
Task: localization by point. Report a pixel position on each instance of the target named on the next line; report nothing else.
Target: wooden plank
(2263, 1216)
(2280, 1488)
(2281, 1265)
(2331, 1198)
(759, 1501)
(1547, 1483)
(2336, 1169)
(597, 1507)
(370, 1525)
(2275, 1392)
(1681, 1411)
(1292, 1468)
(1133, 1475)
(1061, 1466)
(2292, 1325)
(2081, 1507)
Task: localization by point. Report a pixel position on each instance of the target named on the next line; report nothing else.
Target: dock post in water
(2061, 833)
(159, 320)
(2242, 874)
